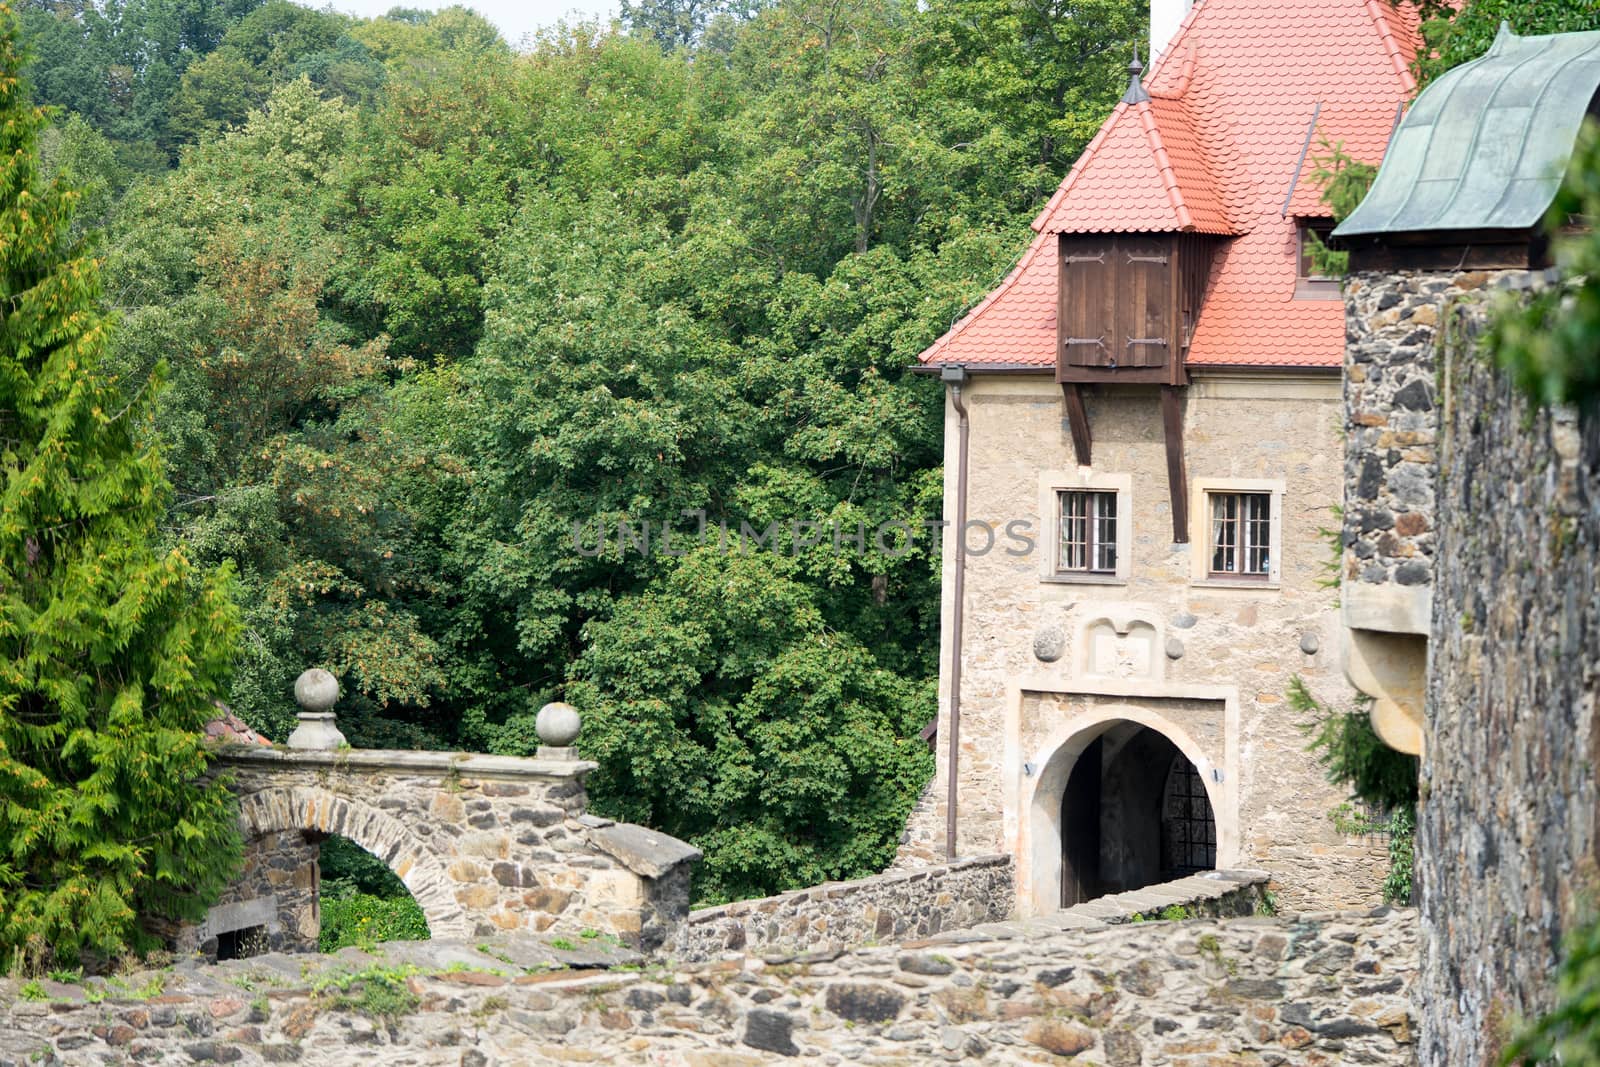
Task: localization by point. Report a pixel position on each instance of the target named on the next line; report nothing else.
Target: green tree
(1455, 34)
(1022, 85)
(274, 43)
(112, 649)
(682, 23)
(724, 711)
(118, 64)
(276, 422)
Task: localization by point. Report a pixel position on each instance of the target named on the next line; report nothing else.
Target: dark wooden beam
(1455, 250)
(1077, 421)
(1177, 470)
(1114, 375)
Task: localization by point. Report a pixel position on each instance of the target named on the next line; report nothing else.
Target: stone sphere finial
(558, 725)
(316, 691)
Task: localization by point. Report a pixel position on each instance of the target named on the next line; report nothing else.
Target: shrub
(361, 919)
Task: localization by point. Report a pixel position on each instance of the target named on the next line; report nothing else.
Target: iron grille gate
(1188, 831)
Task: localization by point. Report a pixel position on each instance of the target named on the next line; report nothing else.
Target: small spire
(1504, 37)
(1135, 93)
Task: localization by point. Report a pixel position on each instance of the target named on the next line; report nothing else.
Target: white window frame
(1054, 483)
(1200, 532)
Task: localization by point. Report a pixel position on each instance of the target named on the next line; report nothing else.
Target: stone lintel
(226, 918)
(443, 764)
(645, 852)
(1387, 608)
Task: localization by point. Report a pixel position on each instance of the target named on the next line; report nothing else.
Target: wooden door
(1080, 829)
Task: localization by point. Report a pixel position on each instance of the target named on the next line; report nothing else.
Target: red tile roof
(1215, 150)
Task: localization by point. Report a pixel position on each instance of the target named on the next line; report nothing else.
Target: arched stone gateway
(485, 844)
(275, 811)
(1119, 800)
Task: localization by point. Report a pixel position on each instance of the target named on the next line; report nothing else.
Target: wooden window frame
(1053, 487)
(1203, 543)
(1240, 539)
(1098, 518)
(1308, 286)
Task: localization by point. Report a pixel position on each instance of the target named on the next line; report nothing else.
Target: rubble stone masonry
(1391, 391)
(1305, 991)
(896, 906)
(1507, 832)
(485, 844)
(1456, 484)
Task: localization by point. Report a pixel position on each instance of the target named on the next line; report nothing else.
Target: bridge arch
(279, 809)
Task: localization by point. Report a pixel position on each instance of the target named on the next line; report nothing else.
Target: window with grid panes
(1088, 532)
(1241, 535)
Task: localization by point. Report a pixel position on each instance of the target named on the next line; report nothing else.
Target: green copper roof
(1486, 145)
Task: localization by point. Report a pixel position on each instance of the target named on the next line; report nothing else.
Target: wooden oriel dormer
(1128, 306)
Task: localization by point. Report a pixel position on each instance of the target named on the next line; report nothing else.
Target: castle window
(1087, 535)
(1239, 540)
(1241, 535)
(1320, 266)
(1314, 251)
(1088, 531)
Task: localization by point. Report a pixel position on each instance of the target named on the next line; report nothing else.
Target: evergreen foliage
(111, 649)
(1381, 779)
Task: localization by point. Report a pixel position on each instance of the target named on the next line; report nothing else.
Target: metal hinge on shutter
(1162, 341)
(1098, 257)
(1147, 259)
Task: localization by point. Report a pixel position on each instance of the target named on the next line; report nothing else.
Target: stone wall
(1507, 833)
(484, 843)
(888, 907)
(277, 890)
(1300, 991)
(1391, 427)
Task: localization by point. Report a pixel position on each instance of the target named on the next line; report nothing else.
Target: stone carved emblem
(1122, 648)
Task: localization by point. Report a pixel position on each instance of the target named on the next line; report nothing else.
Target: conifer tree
(111, 649)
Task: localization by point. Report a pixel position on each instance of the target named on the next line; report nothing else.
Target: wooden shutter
(1088, 300)
(1144, 301)
(1118, 306)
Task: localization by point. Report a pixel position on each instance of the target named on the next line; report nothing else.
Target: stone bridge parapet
(485, 844)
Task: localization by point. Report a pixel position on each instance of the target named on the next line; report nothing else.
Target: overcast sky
(514, 17)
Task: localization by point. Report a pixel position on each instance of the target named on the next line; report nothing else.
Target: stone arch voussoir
(300, 808)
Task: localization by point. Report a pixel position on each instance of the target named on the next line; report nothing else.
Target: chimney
(1165, 18)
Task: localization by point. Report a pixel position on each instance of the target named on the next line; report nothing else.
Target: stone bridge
(485, 844)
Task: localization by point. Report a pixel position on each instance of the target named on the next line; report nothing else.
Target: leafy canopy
(426, 303)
